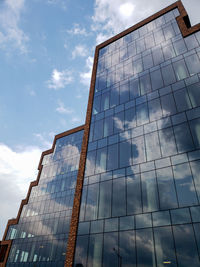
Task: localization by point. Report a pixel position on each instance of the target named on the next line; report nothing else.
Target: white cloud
(11, 36)
(59, 79)
(44, 139)
(62, 109)
(17, 170)
(126, 9)
(77, 30)
(79, 50)
(85, 77)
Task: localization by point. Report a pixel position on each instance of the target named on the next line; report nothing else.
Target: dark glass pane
(180, 47)
(101, 82)
(149, 41)
(105, 196)
(127, 223)
(161, 218)
(164, 246)
(180, 216)
(128, 70)
(186, 250)
(166, 188)
(167, 142)
(83, 204)
(110, 257)
(145, 84)
(119, 197)
(155, 112)
(95, 250)
(130, 118)
(142, 114)
(125, 154)
(114, 96)
(194, 94)
(108, 126)
(180, 69)
(143, 220)
(90, 163)
(81, 250)
(183, 138)
(168, 105)
(134, 200)
(152, 146)
(168, 75)
(157, 56)
(197, 233)
(101, 160)
(124, 93)
(134, 88)
(98, 130)
(168, 32)
(96, 104)
(149, 192)
(182, 100)
(193, 64)
(131, 50)
(140, 45)
(168, 52)
(112, 159)
(127, 248)
(184, 185)
(92, 202)
(195, 166)
(147, 61)
(195, 129)
(137, 66)
(156, 79)
(145, 254)
(115, 58)
(138, 150)
(105, 101)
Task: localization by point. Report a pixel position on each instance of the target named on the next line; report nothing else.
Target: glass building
(124, 189)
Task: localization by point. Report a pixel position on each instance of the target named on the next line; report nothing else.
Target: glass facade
(40, 237)
(141, 194)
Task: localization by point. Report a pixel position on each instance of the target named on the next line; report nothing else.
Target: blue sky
(46, 55)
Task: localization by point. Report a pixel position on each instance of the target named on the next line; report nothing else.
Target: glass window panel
(125, 154)
(182, 100)
(168, 51)
(83, 228)
(145, 254)
(167, 142)
(195, 129)
(124, 93)
(130, 118)
(123, 53)
(164, 246)
(152, 146)
(92, 202)
(145, 84)
(115, 58)
(96, 104)
(140, 45)
(161, 218)
(131, 50)
(105, 101)
(110, 79)
(101, 82)
(90, 163)
(193, 64)
(186, 250)
(83, 204)
(110, 257)
(159, 36)
(155, 112)
(195, 166)
(111, 225)
(147, 61)
(197, 234)
(180, 47)
(114, 96)
(180, 216)
(119, 74)
(97, 226)
(180, 69)
(137, 66)
(138, 150)
(166, 188)
(101, 160)
(149, 41)
(98, 130)
(134, 88)
(105, 195)
(112, 159)
(157, 56)
(156, 79)
(127, 223)
(81, 250)
(184, 185)
(168, 105)
(168, 75)
(168, 32)
(194, 94)
(128, 70)
(149, 191)
(134, 201)
(142, 114)
(108, 126)
(127, 248)
(119, 197)
(183, 138)
(143, 220)
(95, 250)
(119, 122)
(191, 42)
